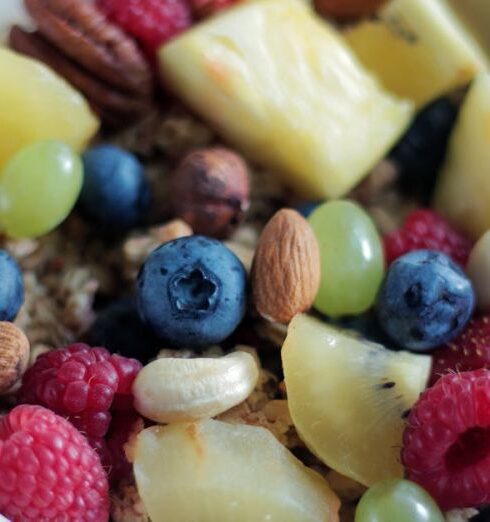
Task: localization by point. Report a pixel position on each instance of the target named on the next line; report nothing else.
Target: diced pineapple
(463, 189)
(281, 84)
(418, 48)
(36, 104)
(212, 471)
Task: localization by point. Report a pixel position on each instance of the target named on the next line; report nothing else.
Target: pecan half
(85, 35)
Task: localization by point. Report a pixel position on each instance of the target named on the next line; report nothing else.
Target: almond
(286, 267)
(14, 355)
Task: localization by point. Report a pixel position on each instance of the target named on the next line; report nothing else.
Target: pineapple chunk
(418, 48)
(476, 16)
(36, 104)
(463, 189)
(280, 84)
(212, 471)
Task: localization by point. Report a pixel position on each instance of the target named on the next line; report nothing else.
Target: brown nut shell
(286, 267)
(14, 355)
(211, 191)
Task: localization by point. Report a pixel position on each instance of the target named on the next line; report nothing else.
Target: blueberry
(425, 300)
(11, 287)
(115, 192)
(420, 152)
(119, 328)
(192, 291)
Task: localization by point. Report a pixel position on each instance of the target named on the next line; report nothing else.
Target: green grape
(38, 188)
(397, 500)
(352, 258)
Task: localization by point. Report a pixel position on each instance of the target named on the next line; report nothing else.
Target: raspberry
(151, 22)
(48, 471)
(469, 351)
(447, 440)
(426, 230)
(81, 383)
(203, 8)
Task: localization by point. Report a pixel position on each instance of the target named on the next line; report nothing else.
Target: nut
(286, 267)
(347, 9)
(175, 390)
(478, 269)
(96, 57)
(211, 191)
(14, 355)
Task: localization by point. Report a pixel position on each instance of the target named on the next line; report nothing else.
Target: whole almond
(286, 267)
(14, 355)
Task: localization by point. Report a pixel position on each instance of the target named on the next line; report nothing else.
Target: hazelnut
(14, 355)
(211, 191)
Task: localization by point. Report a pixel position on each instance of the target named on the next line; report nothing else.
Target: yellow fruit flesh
(36, 104)
(419, 49)
(463, 189)
(476, 16)
(281, 85)
(211, 471)
(343, 401)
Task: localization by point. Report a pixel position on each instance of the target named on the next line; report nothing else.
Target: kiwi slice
(349, 398)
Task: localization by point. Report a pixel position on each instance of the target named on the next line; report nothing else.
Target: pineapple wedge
(211, 471)
(419, 49)
(463, 189)
(37, 104)
(279, 83)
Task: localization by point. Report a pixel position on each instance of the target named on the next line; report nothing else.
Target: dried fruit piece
(211, 470)
(286, 267)
(175, 389)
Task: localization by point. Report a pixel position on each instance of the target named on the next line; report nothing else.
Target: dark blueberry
(115, 192)
(425, 301)
(483, 515)
(307, 207)
(192, 291)
(119, 328)
(11, 287)
(420, 152)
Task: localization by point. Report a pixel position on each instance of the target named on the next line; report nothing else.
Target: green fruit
(38, 188)
(397, 500)
(352, 258)
(349, 398)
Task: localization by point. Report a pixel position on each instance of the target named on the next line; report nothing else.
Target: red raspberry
(48, 471)
(151, 22)
(203, 8)
(447, 440)
(425, 229)
(469, 351)
(81, 383)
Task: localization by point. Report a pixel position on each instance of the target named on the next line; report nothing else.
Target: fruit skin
(303, 117)
(420, 152)
(216, 471)
(118, 328)
(48, 471)
(445, 444)
(418, 35)
(39, 186)
(425, 300)
(349, 398)
(424, 229)
(192, 291)
(24, 120)
(347, 9)
(151, 22)
(463, 187)
(82, 384)
(115, 192)
(469, 351)
(211, 191)
(351, 254)
(399, 500)
(12, 287)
